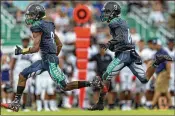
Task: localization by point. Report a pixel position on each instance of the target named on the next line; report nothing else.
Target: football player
(19, 63)
(50, 46)
(125, 54)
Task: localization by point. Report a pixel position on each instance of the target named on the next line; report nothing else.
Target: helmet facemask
(34, 13)
(109, 11)
(30, 18)
(106, 15)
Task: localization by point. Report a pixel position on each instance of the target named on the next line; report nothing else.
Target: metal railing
(9, 20)
(144, 27)
(162, 33)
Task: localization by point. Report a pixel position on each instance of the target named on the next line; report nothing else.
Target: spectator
(156, 15)
(6, 81)
(7, 4)
(19, 16)
(145, 6)
(133, 3)
(61, 19)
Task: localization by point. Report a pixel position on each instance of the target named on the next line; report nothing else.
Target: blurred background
(152, 28)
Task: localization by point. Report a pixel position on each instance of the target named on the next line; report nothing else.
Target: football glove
(18, 50)
(104, 46)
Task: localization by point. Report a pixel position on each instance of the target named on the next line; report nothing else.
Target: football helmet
(34, 13)
(109, 11)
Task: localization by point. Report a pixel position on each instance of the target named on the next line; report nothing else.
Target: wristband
(25, 50)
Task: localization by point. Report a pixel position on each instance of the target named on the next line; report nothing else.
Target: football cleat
(98, 106)
(15, 105)
(97, 82)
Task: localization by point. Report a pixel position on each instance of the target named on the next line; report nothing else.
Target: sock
(20, 90)
(105, 89)
(86, 103)
(3, 100)
(55, 104)
(143, 100)
(173, 100)
(38, 104)
(23, 106)
(52, 104)
(111, 106)
(148, 103)
(83, 84)
(65, 100)
(103, 92)
(128, 103)
(46, 104)
(9, 100)
(101, 98)
(122, 102)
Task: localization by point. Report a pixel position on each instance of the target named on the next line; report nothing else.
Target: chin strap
(111, 16)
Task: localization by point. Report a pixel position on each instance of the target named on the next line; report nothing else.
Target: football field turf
(76, 112)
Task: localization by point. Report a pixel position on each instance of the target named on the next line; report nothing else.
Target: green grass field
(84, 112)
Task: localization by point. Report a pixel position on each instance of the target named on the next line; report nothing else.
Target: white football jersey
(36, 56)
(171, 53)
(147, 54)
(22, 62)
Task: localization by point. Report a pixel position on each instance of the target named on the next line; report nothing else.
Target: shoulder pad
(118, 22)
(114, 23)
(36, 27)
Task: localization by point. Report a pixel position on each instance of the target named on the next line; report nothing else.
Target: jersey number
(52, 37)
(129, 37)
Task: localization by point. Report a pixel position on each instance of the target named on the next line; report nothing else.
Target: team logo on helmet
(109, 11)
